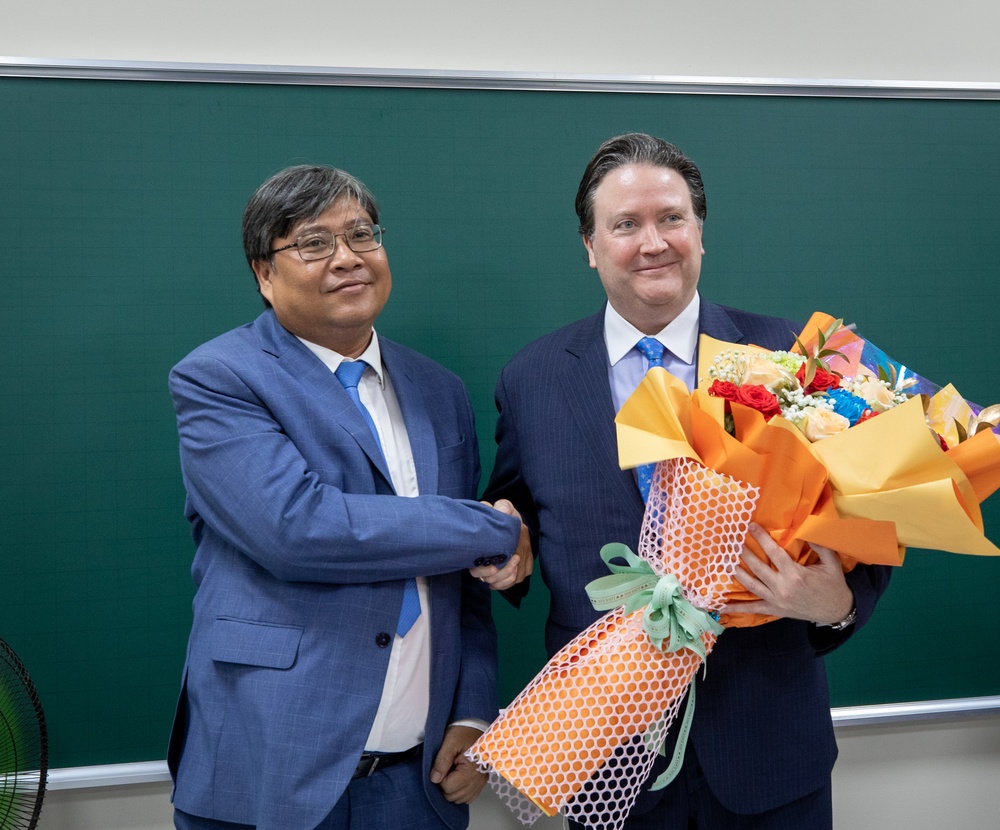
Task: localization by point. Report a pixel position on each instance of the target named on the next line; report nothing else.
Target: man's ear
(262, 271)
(589, 245)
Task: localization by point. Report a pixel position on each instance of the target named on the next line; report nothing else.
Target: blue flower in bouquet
(850, 406)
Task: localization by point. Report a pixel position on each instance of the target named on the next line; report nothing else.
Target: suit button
(497, 560)
(382, 639)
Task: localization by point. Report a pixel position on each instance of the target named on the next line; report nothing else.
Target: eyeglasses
(322, 244)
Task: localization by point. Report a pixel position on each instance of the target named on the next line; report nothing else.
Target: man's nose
(653, 239)
(343, 255)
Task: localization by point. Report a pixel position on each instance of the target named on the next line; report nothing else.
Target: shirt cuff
(475, 723)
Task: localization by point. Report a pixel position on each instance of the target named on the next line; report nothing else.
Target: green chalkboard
(120, 204)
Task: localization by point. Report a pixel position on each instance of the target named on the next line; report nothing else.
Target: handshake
(520, 564)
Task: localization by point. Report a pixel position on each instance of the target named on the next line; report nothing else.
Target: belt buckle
(375, 764)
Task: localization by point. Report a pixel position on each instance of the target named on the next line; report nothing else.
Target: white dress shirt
(402, 712)
(626, 365)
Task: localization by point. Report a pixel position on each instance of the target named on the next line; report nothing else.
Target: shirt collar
(371, 355)
(680, 336)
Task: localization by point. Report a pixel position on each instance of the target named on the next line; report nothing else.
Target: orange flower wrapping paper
(598, 712)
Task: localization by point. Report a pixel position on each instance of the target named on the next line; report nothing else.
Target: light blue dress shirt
(627, 366)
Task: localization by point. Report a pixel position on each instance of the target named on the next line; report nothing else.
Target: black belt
(371, 761)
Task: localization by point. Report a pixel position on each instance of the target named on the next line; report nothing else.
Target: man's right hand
(518, 567)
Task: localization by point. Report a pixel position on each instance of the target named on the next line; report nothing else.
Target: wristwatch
(844, 623)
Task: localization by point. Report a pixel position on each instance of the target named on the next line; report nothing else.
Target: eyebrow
(312, 227)
(315, 227)
(673, 207)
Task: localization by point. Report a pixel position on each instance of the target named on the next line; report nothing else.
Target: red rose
(821, 382)
(723, 389)
(867, 415)
(757, 397)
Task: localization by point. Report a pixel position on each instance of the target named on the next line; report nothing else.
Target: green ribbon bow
(670, 621)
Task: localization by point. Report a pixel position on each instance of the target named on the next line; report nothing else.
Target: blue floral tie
(652, 349)
(349, 374)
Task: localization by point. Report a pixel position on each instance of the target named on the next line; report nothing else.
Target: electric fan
(24, 746)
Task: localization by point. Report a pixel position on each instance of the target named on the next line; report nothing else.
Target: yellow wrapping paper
(868, 492)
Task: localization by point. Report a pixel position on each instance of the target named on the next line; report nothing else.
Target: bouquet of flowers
(881, 459)
(832, 444)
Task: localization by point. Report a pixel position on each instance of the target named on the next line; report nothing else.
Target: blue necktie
(653, 350)
(349, 374)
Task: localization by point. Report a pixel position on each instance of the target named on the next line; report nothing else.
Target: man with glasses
(342, 655)
(761, 746)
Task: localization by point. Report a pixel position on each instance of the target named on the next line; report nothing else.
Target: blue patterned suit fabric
(302, 554)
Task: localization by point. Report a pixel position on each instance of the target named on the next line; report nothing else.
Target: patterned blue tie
(653, 350)
(349, 374)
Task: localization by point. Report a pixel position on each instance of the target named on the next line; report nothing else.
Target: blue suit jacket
(762, 728)
(302, 551)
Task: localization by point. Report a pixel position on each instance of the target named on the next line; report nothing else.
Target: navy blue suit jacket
(302, 552)
(762, 729)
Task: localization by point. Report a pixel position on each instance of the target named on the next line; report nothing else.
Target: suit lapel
(419, 428)
(588, 390)
(313, 374)
(588, 393)
(713, 321)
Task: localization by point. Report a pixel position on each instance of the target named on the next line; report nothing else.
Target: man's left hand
(818, 593)
(460, 779)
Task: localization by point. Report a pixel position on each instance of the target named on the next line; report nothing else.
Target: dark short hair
(636, 148)
(296, 194)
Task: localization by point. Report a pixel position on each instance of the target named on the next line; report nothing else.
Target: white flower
(727, 365)
(818, 423)
(876, 393)
(761, 371)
